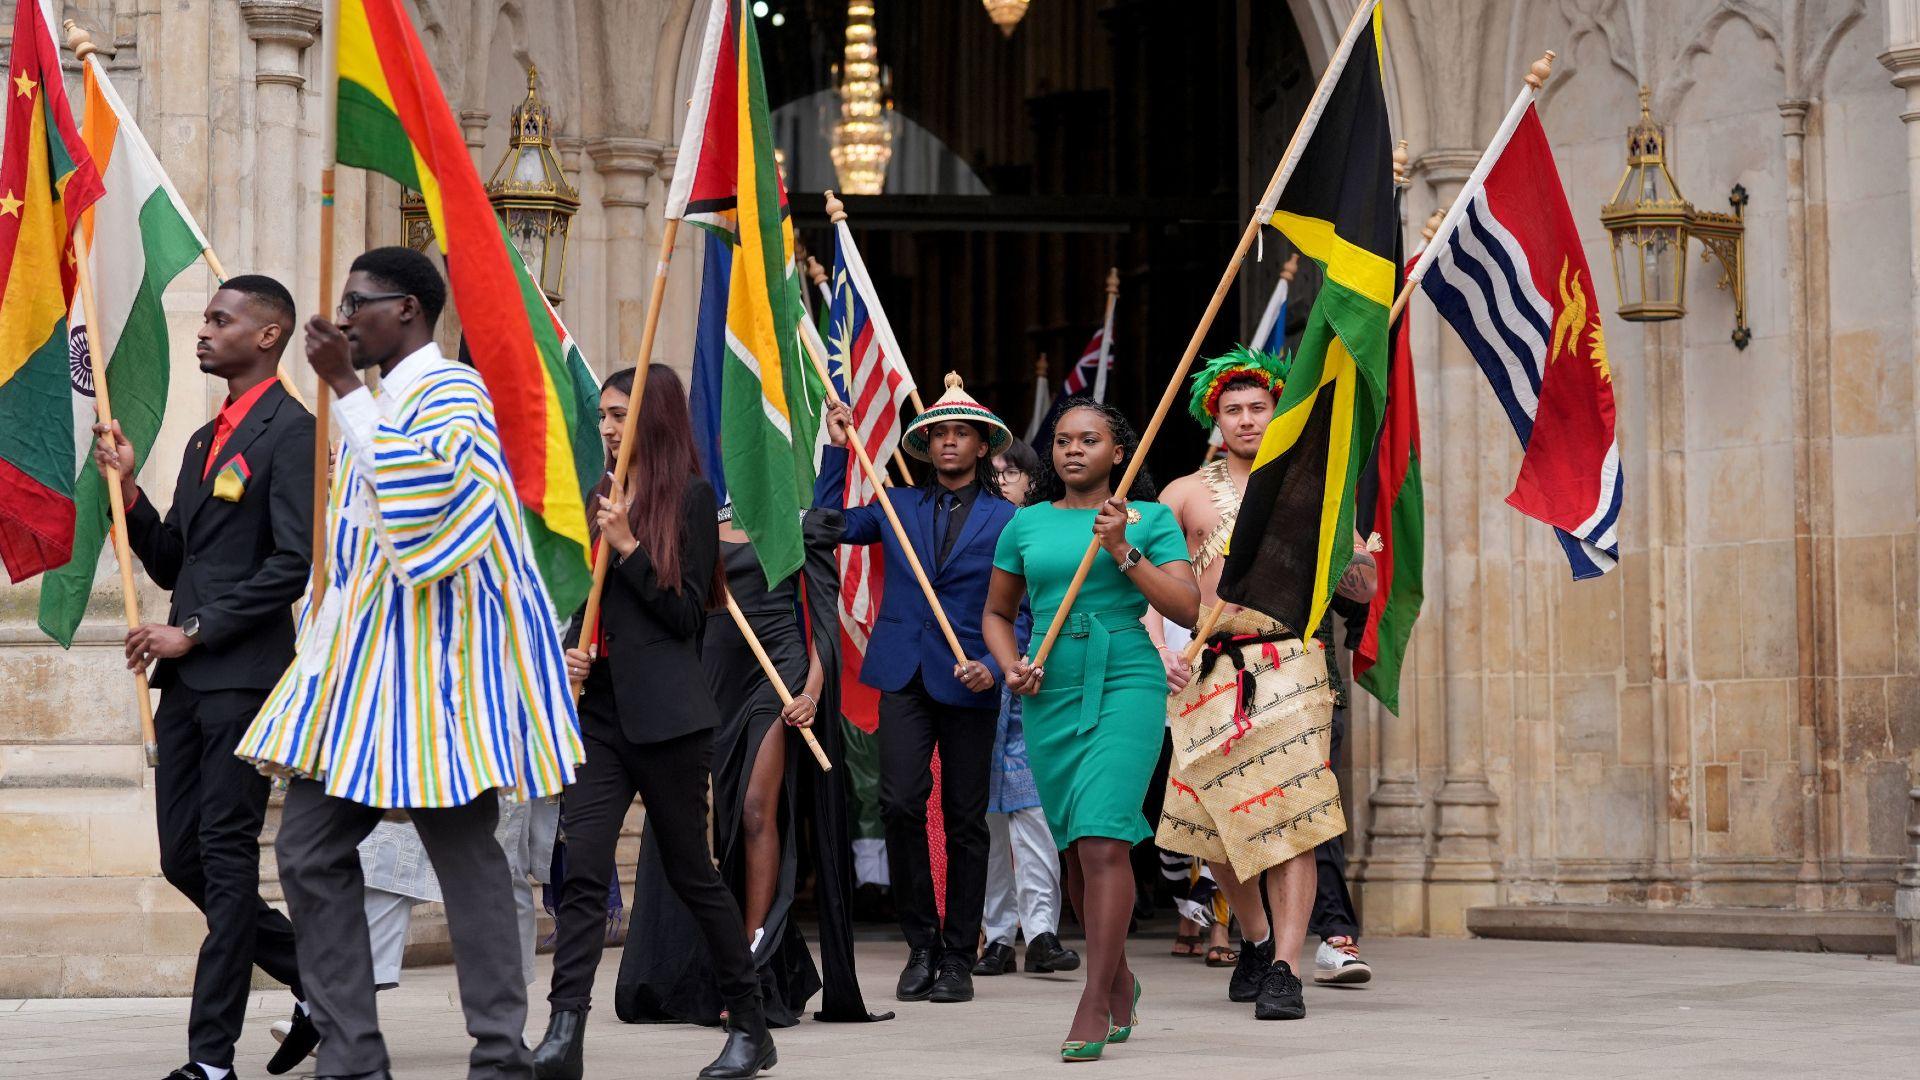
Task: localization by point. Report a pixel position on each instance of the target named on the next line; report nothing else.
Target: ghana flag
(47, 179)
(1295, 533)
(393, 119)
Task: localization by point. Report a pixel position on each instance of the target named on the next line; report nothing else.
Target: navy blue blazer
(906, 638)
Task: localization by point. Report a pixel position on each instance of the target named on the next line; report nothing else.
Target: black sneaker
(296, 1045)
(955, 982)
(1280, 997)
(1250, 970)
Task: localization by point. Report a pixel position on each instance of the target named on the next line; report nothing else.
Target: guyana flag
(394, 120)
(1399, 517)
(726, 182)
(47, 179)
(1295, 532)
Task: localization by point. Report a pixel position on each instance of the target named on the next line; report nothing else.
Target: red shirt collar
(238, 409)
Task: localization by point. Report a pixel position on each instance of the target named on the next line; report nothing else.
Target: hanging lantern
(1006, 14)
(530, 192)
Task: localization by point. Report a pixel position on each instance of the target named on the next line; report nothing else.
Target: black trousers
(912, 724)
(1333, 914)
(209, 806)
(671, 779)
(319, 850)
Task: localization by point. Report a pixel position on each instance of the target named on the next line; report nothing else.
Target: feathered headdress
(1237, 362)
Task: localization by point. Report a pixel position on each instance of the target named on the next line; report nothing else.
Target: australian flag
(1513, 281)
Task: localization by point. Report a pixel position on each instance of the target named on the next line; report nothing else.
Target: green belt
(1098, 627)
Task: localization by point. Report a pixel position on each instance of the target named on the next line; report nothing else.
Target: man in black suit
(235, 550)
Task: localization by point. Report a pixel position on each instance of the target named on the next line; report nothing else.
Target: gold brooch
(1133, 516)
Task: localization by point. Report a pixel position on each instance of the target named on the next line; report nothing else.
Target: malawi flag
(139, 237)
(1295, 533)
(727, 182)
(46, 180)
(1399, 517)
(394, 120)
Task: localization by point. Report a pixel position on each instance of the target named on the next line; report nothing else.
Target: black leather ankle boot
(749, 1046)
(562, 1052)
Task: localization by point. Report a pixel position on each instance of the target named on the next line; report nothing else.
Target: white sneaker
(1338, 961)
(281, 1028)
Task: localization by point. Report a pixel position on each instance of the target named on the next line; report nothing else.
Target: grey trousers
(318, 849)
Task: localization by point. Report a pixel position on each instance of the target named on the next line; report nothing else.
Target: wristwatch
(1132, 560)
(191, 628)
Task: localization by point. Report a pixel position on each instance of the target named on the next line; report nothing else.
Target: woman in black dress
(648, 729)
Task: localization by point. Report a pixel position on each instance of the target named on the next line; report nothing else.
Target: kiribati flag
(1512, 280)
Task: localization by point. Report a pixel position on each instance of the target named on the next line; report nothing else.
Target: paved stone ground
(1438, 1009)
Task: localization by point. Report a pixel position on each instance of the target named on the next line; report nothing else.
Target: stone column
(1902, 58)
(1464, 871)
(625, 165)
(473, 124)
(281, 31)
(1906, 901)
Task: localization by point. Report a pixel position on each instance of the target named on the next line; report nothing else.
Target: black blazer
(652, 634)
(238, 566)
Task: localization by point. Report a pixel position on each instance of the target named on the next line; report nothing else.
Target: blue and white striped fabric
(1482, 283)
(432, 671)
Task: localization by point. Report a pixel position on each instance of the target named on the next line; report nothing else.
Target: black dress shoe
(1280, 996)
(1250, 970)
(749, 1046)
(997, 960)
(189, 1071)
(916, 979)
(562, 1051)
(955, 982)
(1046, 954)
(299, 1042)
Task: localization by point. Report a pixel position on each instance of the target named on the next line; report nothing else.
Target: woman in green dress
(1098, 708)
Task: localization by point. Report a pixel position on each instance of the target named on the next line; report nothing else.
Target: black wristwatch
(1131, 560)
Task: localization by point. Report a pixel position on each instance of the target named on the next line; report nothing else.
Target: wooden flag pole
(623, 461)
(1361, 17)
(1106, 336)
(773, 676)
(886, 505)
(115, 504)
(323, 395)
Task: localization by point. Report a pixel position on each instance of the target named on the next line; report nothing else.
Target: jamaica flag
(1295, 532)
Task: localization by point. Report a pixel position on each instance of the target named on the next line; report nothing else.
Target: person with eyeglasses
(429, 678)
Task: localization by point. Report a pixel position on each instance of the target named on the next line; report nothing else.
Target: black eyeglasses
(351, 303)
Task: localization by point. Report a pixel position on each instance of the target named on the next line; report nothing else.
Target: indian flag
(139, 237)
(726, 181)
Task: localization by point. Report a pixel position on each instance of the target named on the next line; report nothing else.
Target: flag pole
(1362, 16)
(623, 461)
(1106, 336)
(323, 396)
(886, 505)
(121, 552)
(773, 676)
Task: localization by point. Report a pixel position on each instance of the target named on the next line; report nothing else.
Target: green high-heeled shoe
(1090, 1050)
(1122, 1034)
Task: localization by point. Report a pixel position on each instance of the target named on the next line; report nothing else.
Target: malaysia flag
(870, 375)
(1512, 280)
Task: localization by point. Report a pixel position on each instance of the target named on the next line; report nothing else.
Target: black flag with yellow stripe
(1295, 531)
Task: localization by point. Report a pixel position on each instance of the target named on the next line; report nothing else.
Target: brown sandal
(1186, 945)
(1221, 956)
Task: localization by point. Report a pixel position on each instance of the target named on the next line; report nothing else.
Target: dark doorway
(1127, 133)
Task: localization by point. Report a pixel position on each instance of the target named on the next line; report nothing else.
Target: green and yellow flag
(1295, 532)
(727, 182)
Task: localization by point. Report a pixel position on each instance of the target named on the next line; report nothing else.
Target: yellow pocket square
(231, 481)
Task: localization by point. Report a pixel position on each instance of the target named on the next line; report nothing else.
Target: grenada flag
(47, 180)
(394, 120)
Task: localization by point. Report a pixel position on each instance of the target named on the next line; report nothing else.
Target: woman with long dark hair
(640, 739)
(1094, 714)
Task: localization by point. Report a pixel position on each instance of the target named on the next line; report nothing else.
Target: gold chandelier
(862, 142)
(1006, 14)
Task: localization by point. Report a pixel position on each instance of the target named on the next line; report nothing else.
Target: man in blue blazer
(927, 699)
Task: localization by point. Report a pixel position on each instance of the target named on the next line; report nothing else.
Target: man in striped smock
(429, 676)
